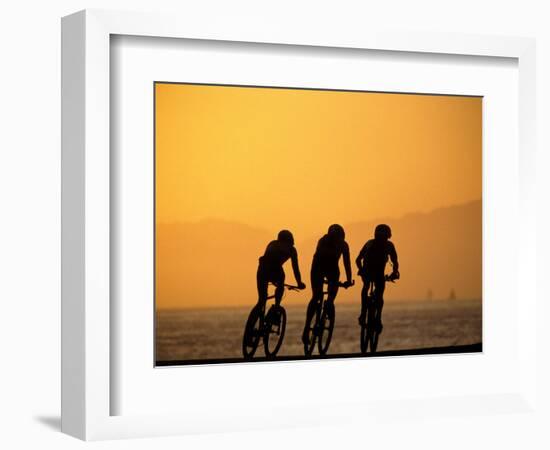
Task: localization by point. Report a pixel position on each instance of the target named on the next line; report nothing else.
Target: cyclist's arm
(360, 257)
(295, 266)
(393, 258)
(347, 262)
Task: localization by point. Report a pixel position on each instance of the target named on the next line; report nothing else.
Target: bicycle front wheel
(376, 328)
(374, 341)
(367, 326)
(326, 327)
(311, 334)
(252, 333)
(275, 326)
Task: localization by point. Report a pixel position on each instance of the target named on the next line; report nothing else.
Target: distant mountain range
(214, 262)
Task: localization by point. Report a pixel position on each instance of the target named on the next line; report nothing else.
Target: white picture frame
(87, 385)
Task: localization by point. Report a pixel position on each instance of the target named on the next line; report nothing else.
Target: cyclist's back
(276, 254)
(375, 254)
(328, 253)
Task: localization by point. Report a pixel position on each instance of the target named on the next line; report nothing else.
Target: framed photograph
(249, 182)
(250, 204)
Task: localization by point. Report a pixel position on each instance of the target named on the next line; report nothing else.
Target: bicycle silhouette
(270, 327)
(370, 329)
(321, 325)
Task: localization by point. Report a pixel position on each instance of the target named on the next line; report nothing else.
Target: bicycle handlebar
(291, 287)
(341, 284)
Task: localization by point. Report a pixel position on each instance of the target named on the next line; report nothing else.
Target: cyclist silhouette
(270, 267)
(325, 266)
(371, 262)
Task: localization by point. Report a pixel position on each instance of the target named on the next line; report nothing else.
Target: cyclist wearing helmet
(371, 262)
(270, 267)
(325, 265)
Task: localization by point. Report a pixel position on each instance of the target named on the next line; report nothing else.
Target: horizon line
(294, 303)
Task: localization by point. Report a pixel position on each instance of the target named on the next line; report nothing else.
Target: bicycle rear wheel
(275, 326)
(326, 327)
(364, 339)
(252, 333)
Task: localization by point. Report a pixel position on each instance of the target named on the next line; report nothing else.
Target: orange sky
(298, 159)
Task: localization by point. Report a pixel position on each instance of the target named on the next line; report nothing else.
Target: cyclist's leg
(379, 287)
(333, 278)
(278, 279)
(364, 299)
(316, 297)
(262, 281)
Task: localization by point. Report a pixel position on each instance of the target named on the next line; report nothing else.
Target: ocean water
(185, 335)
